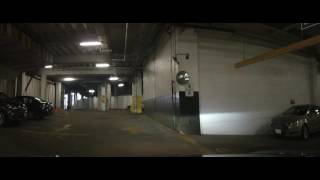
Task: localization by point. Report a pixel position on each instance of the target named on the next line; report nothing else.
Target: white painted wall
(187, 42)
(3, 85)
(120, 102)
(95, 102)
(34, 88)
(157, 73)
(243, 101)
(232, 101)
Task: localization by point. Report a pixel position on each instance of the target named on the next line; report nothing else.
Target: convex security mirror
(183, 77)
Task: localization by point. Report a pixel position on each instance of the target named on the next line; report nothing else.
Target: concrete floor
(120, 133)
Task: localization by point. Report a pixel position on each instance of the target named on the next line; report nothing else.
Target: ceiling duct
(125, 43)
(102, 50)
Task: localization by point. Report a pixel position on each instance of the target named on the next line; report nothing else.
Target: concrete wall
(120, 102)
(7, 86)
(93, 103)
(243, 101)
(34, 88)
(231, 101)
(50, 93)
(157, 88)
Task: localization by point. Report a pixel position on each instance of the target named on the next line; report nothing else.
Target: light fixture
(91, 91)
(48, 66)
(120, 85)
(68, 79)
(113, 78)
(102, 65)
(91, 43)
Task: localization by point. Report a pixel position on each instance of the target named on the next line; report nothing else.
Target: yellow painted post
(139, 104)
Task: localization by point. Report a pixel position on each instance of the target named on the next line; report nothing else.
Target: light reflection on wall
(236, 123)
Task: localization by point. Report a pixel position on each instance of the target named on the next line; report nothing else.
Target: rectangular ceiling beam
(88, 71)
(280, 51)
(82, 58)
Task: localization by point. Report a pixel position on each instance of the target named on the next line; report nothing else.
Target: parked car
(37, 108)
(299, 120)
(11, 111)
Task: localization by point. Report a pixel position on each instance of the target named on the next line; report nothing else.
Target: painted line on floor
(133, 130)
(54, 133)
(65, 127)
(181, 135)
(191, 141)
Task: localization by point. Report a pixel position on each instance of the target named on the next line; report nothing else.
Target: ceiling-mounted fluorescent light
(48, 66)
(113, 78)
(91, 91)
(91, 43)
(68, 79)
(120, 85)
(102, 65)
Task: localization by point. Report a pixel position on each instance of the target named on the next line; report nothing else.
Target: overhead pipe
(125, 42)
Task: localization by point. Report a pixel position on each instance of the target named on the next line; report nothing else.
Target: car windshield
(297, 110)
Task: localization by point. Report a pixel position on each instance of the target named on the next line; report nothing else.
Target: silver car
(299, 120)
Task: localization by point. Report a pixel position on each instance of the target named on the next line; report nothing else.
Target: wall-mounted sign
(189, 91)
(308, 25)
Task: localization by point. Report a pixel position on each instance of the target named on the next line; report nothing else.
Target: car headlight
(295, 124)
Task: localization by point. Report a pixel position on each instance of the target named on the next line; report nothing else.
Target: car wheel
(30, 115)
(305, 132)
(2, 119)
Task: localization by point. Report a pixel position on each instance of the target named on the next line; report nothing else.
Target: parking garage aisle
(91, 133)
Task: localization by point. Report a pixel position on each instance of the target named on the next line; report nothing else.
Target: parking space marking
(65, 127)
(193, 142)
(133, 130)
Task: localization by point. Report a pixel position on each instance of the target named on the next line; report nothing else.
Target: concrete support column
(43, 86)
(99, 97)
(23, 83)
(69, 101)
(103, 98)
(108, 94)
(16, 86)
(75, 100)
(90, 102)
(314, 81)
(136, 101)
(58, 95)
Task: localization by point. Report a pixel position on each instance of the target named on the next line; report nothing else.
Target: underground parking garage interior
(159, 89)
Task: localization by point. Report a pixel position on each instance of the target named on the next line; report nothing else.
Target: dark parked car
(37, 108)
(11, 111)
(299, 120)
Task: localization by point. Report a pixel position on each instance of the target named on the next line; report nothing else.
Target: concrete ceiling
(279, 34)
(29, 46)
(61, 41)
